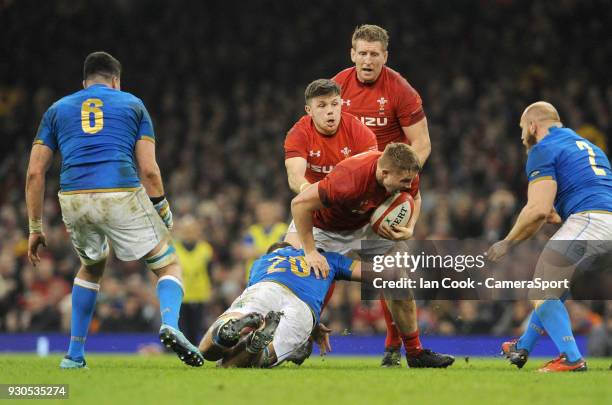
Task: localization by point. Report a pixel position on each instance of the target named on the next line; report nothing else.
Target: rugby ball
(395, 210)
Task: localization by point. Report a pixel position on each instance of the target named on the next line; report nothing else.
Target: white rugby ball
(395, 210)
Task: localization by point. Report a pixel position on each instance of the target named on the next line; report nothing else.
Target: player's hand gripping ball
(394, 211)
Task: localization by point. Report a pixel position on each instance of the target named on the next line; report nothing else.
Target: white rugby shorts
(126, 218)
(583, 238)
(583, 226)
(346, 242)
(295, 325)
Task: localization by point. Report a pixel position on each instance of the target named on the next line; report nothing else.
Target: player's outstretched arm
(418, 135)
(40, 160)
(302, 207)
(540, 198)
(296, 169)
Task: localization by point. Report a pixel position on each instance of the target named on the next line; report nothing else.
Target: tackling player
(282, 287)
(334, 215)
(384, 101)
(321, 139)
(110, 189)
(570, 176)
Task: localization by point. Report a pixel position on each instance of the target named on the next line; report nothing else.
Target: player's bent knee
(95, 270)
(93, 262)
(161, 257)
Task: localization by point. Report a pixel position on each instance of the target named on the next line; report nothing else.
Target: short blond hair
(370, 33)
(401, 157)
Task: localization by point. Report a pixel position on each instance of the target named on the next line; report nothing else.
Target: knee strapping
(164, 257)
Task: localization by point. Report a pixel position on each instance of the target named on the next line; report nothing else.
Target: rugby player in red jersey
(384, 101)
(380, 97)
(321, 139)
(335, 212)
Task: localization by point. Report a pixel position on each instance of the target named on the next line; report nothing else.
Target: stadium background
(223, 84)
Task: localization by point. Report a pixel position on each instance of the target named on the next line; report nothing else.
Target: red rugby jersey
(351, 193)
(323, 152)
(385, 106)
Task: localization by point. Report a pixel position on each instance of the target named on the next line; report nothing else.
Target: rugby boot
(516, 356)
(68, 363)
(392, 357)
(175, 340)
(228, 334)
(561, 363)
(429, 359)
(261, 338)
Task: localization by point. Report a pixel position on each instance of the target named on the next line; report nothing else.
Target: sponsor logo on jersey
(374, 121)
(346, 151)
(313, 153)
(346, 102)
(534, 173)
(320, 168)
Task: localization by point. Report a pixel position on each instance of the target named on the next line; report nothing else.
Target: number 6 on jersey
(92, 106)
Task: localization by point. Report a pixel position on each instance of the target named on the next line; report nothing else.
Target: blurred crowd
(224, 85)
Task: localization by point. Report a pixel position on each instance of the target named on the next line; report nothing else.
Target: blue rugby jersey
(96, 130)
(581, 170)
(287, 266)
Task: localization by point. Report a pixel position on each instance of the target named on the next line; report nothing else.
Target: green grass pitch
(330, 380)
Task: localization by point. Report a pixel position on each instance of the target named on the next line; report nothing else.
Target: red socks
(412, 343)
(393, 336)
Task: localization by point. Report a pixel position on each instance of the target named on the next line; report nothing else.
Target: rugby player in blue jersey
(110, 190)
(570, 181)
(282, 287)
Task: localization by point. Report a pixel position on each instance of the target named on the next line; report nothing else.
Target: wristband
(35, 225)
(163, 209)
(304, 185)
(156, 200)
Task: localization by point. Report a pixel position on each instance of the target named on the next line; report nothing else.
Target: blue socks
(553, 315)
(534, 330)
(532, 333)
(170, 294)
(84, 295)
